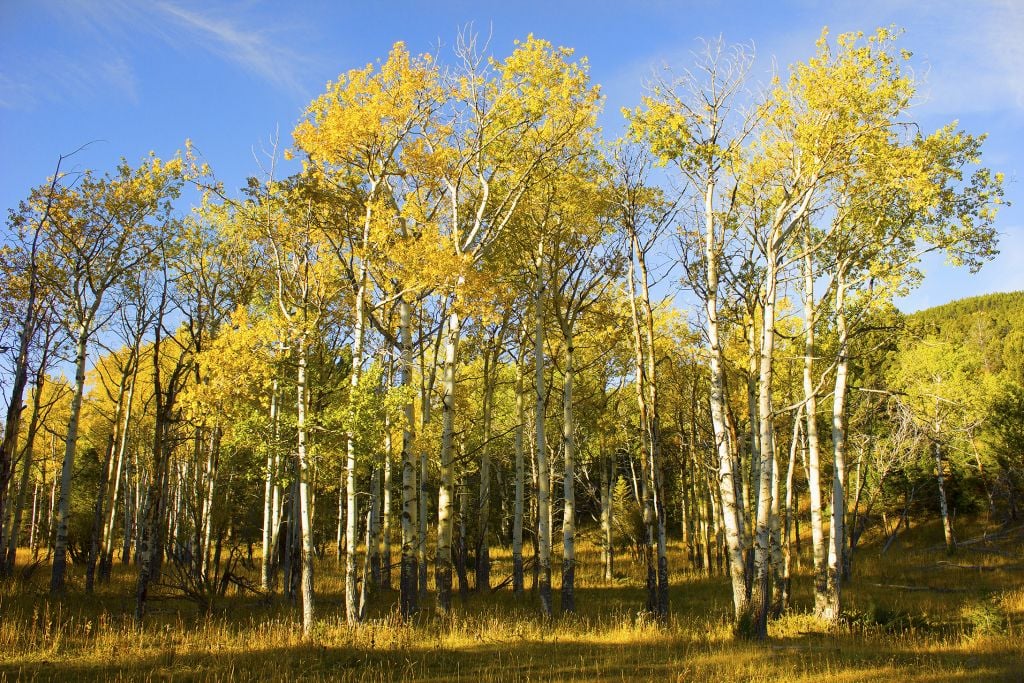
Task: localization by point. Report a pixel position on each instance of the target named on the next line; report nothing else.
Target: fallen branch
(979, 539)
(977, 567)
(921, 588)
(527, 564)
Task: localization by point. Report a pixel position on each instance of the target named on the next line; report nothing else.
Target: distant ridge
(991, 325)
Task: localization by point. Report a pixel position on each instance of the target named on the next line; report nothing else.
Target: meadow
(912, 614)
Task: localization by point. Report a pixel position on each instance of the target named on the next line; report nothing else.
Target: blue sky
(145, 75)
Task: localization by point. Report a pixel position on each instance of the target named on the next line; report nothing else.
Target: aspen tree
(101, 230)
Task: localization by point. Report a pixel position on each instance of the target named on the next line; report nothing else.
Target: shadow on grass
(666, 656)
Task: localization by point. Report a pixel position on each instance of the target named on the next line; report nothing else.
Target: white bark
(813, 447)
(408, 589)
(270, 491)
(446, 487)
(517, 512)
(732, 515)
(543, 475)
(836, 532)
(57, 578)
(302, 470)
(568, 482)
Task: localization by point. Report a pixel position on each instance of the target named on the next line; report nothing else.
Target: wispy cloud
(53, 78)
(251, 49)
(114, 33)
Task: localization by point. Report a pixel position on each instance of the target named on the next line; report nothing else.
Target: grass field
(914, 614)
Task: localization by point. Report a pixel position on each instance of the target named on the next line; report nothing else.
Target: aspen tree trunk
(98, 510)
(149, 548)
(552, 479)
(761, 586)
(26, 466)
(836, 531)
(149, 544)
(409, 593)
(131, 507)
(277, 502)
(947, 527)
(107, 551)
(9, 443)
(33, 533)
(269, 491)
(709, 520)
(51, 517)
(853, 532)
(788, 512)
(57, 577)
(607, 552)
(775, 538)
(363, 587)
(212, 467)
(342, 500)
(685, 509)
(288, 566)
(302, 472)
(813, 448)
(446, 487)
(351, 513)
(373, 529)
(505, 516)
(517, 513)
(385, 514)
(645, 490)
(483, 553)
(426, 386)
(459, 544)
(654, 465)
(753, 480)
(543, 476)
(732, 515)
(568, 482)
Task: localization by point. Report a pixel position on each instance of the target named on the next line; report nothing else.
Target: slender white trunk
(607, 552)
(836, 531)
(446, 486)
(654, 464)
(813, 447)
(568, 482)
(26, 468)
(775, 532)
(761, 586)
(645, 489)
(409, 571)
(352, 512)
(107, 555)
(385, 513)
(483, 553)
(789, 513)
(270, 491)
(212, 464)
(947, 526)
(517, 512)
(373, 530)
(302, 470)
(732, 515)
(57, 577)
(421, 537)
(543, 475)
(33, 529)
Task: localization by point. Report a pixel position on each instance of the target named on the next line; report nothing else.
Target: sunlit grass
(913, 614)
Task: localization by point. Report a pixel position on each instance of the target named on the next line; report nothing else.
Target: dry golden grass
(968, 625)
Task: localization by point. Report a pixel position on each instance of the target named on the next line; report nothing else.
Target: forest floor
(912, 614)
